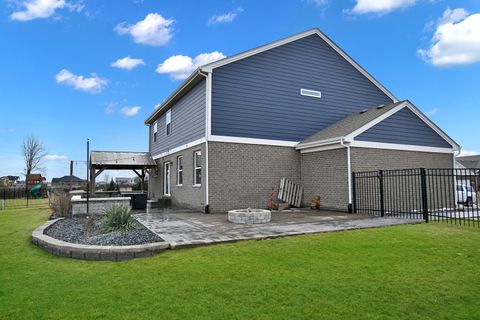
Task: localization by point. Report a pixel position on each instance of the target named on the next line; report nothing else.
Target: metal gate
(447, 195)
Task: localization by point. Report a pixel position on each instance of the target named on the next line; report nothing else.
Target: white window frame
(179, 171)
(155, 130)
(167, 179)
(311, 93)
(195, 168)
(168, 120)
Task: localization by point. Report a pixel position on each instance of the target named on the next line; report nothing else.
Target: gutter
(349, 173)
(208, 90)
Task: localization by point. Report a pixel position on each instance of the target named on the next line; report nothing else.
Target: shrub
(118, 218)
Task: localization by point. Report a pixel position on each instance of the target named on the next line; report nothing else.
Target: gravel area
(89, 231)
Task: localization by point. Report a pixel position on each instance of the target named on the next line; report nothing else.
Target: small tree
(33, 153)
(112, 186)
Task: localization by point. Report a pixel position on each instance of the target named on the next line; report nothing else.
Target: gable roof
(199, 73)
(353, 125)
(350, 123)
(315, 31)
(67, 179)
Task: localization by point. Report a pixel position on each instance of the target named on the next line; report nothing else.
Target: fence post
(423, 182)
(354, 194)
(382, 199)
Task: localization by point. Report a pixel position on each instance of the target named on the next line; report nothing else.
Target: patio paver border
(93, 252)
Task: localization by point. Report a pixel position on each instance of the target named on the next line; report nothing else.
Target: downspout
(208, 96)
(349, 173)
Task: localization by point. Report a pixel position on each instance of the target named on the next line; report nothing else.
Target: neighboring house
(8, 181)
(124, 181)
(299, 108)
(35, 178)
(69, 182)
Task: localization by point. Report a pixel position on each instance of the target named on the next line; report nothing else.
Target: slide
(35, 191)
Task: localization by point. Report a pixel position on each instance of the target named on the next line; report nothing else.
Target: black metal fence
(447, 195)
(16, 197)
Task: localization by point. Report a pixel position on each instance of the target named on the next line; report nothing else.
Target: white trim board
(179, 148)
(209, 67)
(267, 142)
(401, 147)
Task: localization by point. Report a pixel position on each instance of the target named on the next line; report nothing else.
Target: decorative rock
(249, 216)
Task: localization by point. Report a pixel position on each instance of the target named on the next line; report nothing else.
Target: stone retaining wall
(91, 252)
(96, 205)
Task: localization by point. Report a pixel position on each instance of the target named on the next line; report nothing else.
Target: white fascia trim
(322, 148)
(211, 66)
(319, 143)
(266, 142)
(402, 147)
(179, 148)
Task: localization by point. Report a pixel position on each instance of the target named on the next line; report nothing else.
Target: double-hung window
(169, 122)
(179, 170)
(155, 129)
(197, 168)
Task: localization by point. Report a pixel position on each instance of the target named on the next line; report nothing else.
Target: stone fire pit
(249, 216)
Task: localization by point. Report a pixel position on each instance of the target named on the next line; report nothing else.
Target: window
(155, 129)
(197, 168)
(169, 122)
(310, 93)
(179, 170)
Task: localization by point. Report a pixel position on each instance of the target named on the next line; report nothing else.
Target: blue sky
(76, 69)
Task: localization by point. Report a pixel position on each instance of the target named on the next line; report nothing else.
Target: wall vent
(311, 93)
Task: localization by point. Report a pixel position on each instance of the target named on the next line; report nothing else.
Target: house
(298, 108)
(8, 181)
(35, 178)
(124, 181)
(69, 182)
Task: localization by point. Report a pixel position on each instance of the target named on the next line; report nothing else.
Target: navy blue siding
(259, 96)
(188, 122)
(404, 127)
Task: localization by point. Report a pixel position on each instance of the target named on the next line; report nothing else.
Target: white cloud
(180, 67)
(127, 63)
(226, 18)
(93, 84)
(456, 40)
(38, 9)
(318, 3)
(110, 107)
(464, 153)
(154, 30)
(380, 6)
(431, 112)
(55, 157)
(130, 111)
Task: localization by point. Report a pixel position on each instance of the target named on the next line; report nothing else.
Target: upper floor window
(155, 129)
(311, 93)
(169, 122)
(197, 168)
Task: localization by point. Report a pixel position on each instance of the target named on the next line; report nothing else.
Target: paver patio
(184, 228)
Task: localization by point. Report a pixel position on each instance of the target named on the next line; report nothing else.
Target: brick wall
(367, 159)
(187, 195)
(243, 175)
(324, 174)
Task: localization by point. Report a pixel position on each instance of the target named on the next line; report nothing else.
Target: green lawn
(427, 271)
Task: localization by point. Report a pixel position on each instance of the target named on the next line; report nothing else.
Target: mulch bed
(90, 231)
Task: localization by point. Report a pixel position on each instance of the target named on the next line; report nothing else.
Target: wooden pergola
(138, 162)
